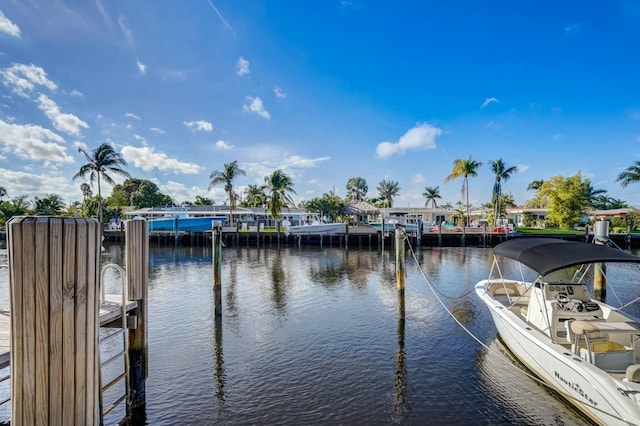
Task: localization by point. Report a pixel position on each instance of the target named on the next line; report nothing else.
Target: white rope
(563, 393)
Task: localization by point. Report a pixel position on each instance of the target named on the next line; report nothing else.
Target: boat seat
(512, 292)
(592, 343)
(632, 373)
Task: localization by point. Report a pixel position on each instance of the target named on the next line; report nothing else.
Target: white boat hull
(590, 389)
(317, 229)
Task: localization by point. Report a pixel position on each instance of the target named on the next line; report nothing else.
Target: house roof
(361, 208)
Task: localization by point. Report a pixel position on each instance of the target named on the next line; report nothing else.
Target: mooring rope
(500, 355)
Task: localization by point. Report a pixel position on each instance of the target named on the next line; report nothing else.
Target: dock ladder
(122, 330)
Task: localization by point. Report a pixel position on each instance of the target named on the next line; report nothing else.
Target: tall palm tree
(464, 168)
(431, 193)
(630, 175)
(226, 177)
(101, 163)
(86, 190)
(357, 189)
(279, 186)
(502, 173)
(387, 189)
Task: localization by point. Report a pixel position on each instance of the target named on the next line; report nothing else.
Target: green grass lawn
(550, 231)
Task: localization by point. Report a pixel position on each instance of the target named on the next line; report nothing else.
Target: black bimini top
(545, 255)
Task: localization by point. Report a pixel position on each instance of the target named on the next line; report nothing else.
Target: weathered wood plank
(81, 253)
(41, 313)
(68, 322)
(29, 320)
(55, 323)
(16, 268)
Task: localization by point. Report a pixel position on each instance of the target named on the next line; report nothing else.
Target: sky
(325, 90)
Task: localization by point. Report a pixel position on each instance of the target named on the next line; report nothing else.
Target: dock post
(400, 269)
(137, 263)
(440, 234)
(217, 271)
(600, 236)
(54, 266)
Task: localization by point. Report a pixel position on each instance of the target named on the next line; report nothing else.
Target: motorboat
(585, 349)
(410, 224)
(315, 228)
(181, 221)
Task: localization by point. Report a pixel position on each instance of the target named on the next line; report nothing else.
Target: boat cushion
(633, 373)
(583, 327)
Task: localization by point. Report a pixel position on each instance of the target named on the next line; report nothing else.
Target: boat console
(554, 303)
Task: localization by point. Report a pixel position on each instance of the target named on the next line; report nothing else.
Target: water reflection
(316, 336)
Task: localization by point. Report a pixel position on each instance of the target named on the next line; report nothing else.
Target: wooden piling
(600, 236)
(400, 269)
(137, 263)
(54, 277)
(217, 271)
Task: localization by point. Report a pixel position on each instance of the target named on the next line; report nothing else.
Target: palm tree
(535, 185)
(431, 193)
(86, 191)
(255, 196)
(51, 205)
(279, 186)
(464, 168)
(387, 189)
(357, 189)
(592, 194)
(502, 173)
(630, 175)
(226, 177)
(100, 163)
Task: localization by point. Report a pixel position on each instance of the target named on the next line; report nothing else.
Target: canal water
(312, 336)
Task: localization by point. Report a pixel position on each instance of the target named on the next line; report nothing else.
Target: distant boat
(390, 225)
(318, 228)
(179, 220)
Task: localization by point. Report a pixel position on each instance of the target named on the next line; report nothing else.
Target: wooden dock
(110, 311)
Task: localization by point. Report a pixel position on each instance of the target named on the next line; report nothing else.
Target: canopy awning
(545, 255)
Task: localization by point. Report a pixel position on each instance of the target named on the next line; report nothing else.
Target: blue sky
(324, 89)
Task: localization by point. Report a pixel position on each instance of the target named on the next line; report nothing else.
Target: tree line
(566, 198)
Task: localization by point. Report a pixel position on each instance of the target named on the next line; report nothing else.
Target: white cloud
(418, 178)
(223, 146)
(522, 168)
(488, 101)
(140, 138)
(147, 159)
(23, 78)
(157, 130)
(199, 126)
(31, 142)
(131, 115)
(41, 184)
(421, 137)
(279, 93)
(298, 162)
(141, 67)
(8, 27)
(242, 66)
(128, 34)
(255, 106)
(67, 123)
(76, 94)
